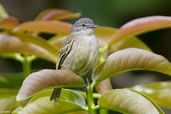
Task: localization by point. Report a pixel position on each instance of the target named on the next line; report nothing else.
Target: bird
(79, 51)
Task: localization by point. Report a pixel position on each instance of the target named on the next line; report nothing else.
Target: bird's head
(83, 25)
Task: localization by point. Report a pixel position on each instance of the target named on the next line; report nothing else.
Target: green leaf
(17, 110)
(5, 92)
(37, 41)
(104, 34)
(8, 105)
(66, 94)
(44, 26)
(11, 44)
(131, 59)
(15, 56)
(3, 12)
(3, 79)
(40, 103)
(2, 100)
(141, 25)
(57, 14)
(159, 92)
(45, 79)
(128, 101)
(57, 41)
(78, 112)
(12, 80)
(7, 100)
(45, 106)
(129, 42)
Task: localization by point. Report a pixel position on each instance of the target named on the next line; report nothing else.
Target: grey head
(83, 24)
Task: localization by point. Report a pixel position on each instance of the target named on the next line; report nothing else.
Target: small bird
(79, 51)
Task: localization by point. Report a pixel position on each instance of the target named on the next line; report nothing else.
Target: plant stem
(103, 111)
(26, 64)
(90, 99)
(96, 95)
(101, 53)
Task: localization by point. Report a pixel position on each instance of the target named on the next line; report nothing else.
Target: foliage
(120, 51)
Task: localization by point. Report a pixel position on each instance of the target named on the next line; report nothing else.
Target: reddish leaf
(45, 26)
(104, 86)
(11, 44)
(141, 25)
(8, 23)
(57, 42)
(56, 14)
(131, 59)
(48, 78)
(37, 41)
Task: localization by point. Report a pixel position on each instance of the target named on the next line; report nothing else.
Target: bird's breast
(83, 55)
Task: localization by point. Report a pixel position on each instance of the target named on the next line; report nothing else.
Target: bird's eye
(83, 25)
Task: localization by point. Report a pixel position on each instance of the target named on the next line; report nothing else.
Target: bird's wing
(65, 50)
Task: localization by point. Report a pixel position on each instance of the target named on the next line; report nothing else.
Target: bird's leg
(85, 87)
(55, 94)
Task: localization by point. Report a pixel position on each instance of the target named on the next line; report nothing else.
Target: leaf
(7, 100)
(45, 106)
(78, 112)
(129, 42)
(66, 94)
(131, 59)
(38, 41)
(73, 97)
(13, 80)
(160, 92)
(40, 103)
(141, 25)
(5, 92)
(8, 106)
(57, 41)
(104, 86)
(46, 79)
(2, 100)
(16, 56)
(128, 101)
(57, 14)
(3, 79)
(104, 34)
(11, 44)
(44, 26)
(8, 23)
(3, 12)
(17, 110)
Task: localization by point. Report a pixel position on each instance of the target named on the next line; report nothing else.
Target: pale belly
(82, 57)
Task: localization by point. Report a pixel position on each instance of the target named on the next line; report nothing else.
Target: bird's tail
(55, 93)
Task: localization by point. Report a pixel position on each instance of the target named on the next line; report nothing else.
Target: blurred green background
(112, 13)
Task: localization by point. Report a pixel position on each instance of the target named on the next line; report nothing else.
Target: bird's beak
(94, 26)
